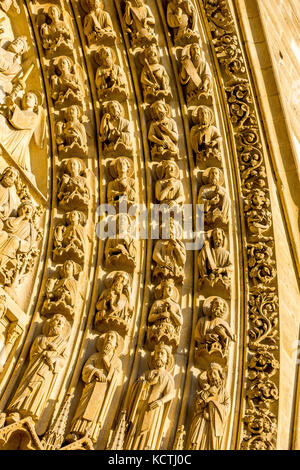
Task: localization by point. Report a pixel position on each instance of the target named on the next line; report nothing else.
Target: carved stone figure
(140, 23)
(114, 310)
(5, 5)
(195, 74)
(70, 239)
(120, 251)
(18, 244)
(9, 200)
(66, 83)
(72, 191)
(62, 293)
(211, 410)
(181, 16)
(261, 264)
(123, 186)
(169, 255)
(55, 34)
(101, 375)
(213, 334)
(169, 188)
(97, 25)
(150, 400)
(259, 217)
(205, 138)
(163, 132)
(165, 317)
(23, 123)
(214, 260)
(11, 65)
(71, 134)
(154, 78)
(47, 357)
(110, 79)
(214, 197)
(115, 130)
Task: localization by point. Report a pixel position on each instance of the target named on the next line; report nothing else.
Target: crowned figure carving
(150, 400)
(165, 317)
(163, 132)
(101, 375)
(120, 251)
(212, 405)
(72, 191)
(71, 133)
(154, 78)
(46, 360)
(213, 333)
(56, 36)
(110, 79)
(214, 260)
(66, 83)
(114, 310)
(97, 24)
(195, 74)
(123, 185)
(205, 138)
(70, 239)
(115, 131)
(181, 17)
(139, 22)
(214, 197)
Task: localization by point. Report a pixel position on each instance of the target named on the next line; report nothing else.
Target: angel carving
(55, 33)
(22, 124)
(66, 83)
(71, 134)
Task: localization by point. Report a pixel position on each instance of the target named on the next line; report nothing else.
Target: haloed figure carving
(47, 357)
(11, 65)
(101, 375)
(120, 252)
(150, 400)
(212, 405)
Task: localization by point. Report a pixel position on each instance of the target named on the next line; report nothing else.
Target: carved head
(74, 166)
(73, 113)
(54, 13)
(69, 269)
(64, 65)
(196, 52)
(114, 109)
(162, 356)
(9, 176)
(168, 286)
(258, 199)
(105, 57)
(94, 4)
(218, 308)
(171, 170)
(215, 375)
(152, 54)
(159, 110)
(205, 116)
(123, 167)
(119, 282)
(56, 325)
(19, 45)
(214, 176)
(74, 218)
(110, 342)
(219, 237)
(30, 100)
(26, 209)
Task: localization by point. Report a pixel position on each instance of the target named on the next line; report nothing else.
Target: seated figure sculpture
(55, 35)
(110, 79)
(163, 132)
(140, 22)
(72, 191)
(120, 251)
(154, 78)
(66, 83)
(97, 25)
(195, 74)
(115, 131)
(205, 138)
(123, 185)
(69, 239)
(214, 197)
(71, 134)
(181, 17)
(169, 188)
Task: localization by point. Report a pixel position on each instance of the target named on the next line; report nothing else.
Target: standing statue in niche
(110, 79)
(72, 191)
(205, 138)
(123, 185)
(23, 123)
(214, 260)
(114, 310)
(115, 131)
(165, 317)
(181, 16)
(120, 251)
(97, 25)
(70, 239)
(66, 83)
(195, 74)
(18, 239)
(101, 375)
(71, 134)
(154, 78)
(163, 132)
(169, 188)
(55, 34)
(47, 358)
(212, 405)
(9, 199)
(214, 197)
(213, 334)
(140, 23)
(150, 400)
(170, 255)
(11, 65)
(62, 294)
